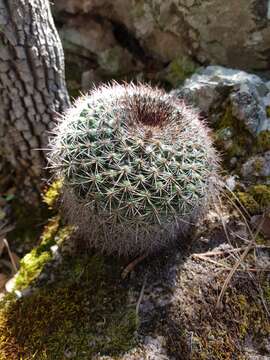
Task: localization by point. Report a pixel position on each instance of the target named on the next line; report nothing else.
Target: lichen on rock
(235, 104)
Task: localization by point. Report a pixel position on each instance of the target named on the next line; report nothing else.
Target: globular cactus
(138, 168)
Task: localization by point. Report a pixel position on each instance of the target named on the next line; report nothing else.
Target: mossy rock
(52, 194)
(84, 311)
(255, 199)
(263, 141)
(234, 140)
(179, 70)
(32, 263)
(198, 329)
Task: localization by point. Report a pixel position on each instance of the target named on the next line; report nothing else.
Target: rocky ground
(207, 298)
(179, 304)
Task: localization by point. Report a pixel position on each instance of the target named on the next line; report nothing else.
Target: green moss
(256, 199)
(267, 109)
(52, 194)
(249, 203)
(84, 312)
(232, 138)
(138, 10)
(223, 334)
(179, 70)
(32, 264)
(261, 193)
(262, 240)
(28, 227)
(263, 141)
(235, 141)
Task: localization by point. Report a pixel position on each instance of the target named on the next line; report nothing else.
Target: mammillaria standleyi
(138, 168)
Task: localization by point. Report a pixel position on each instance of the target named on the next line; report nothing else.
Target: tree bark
(32, 84)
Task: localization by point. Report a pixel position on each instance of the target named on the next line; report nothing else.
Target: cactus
(138, 168)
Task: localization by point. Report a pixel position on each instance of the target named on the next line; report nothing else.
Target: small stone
(10, 284)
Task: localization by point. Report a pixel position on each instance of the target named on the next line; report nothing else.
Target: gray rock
(95, 40)
(248, 106)
(231, 33)
(257, 166)
(236, 104)
(247, 94)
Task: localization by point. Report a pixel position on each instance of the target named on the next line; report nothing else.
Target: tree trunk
(32, 84)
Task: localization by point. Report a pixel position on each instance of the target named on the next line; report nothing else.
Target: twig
(204, 258)
(15, 269)
(141, 295)
(227, 251)
(236, 265)
(223, 223)
(260, 290)
(238, 201)
(132, 265)
(239, 210)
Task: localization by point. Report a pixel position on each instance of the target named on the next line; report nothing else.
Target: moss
(52, 194)
(263, 141)
(223, 334)
(29, 218)
(138, 11)
(232, 136)
(234, 140)
(261, 194)
(218, 333)
(257, 165)
(180, 69)
(256, 199)
(32, 264)
(249, 203)
(28, 228)
(84, 312)
(267, 109)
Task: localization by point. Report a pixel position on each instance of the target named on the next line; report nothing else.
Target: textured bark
(32, 84)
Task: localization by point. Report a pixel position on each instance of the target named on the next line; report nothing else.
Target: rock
(90, 38)
(236, 105)
(166, 311)
(211, 87)
(10, 284)
(257, 166)
(209, 31)
(248, 106)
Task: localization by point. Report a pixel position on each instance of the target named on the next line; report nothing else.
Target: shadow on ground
(78, 307)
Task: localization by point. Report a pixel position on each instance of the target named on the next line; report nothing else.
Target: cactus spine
(138, 167)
